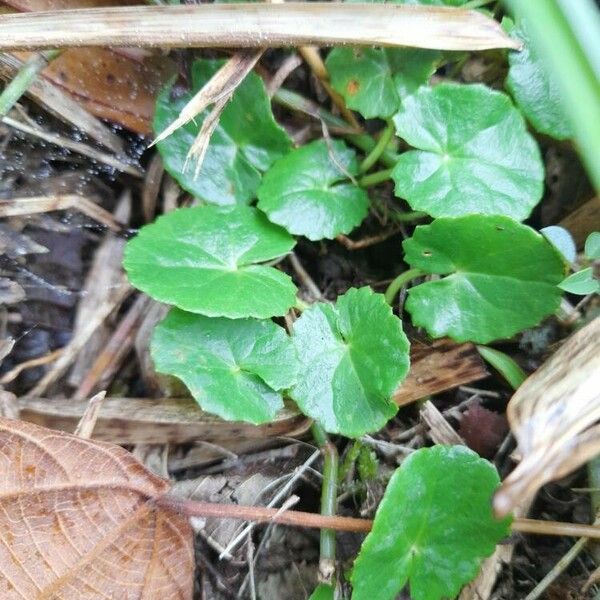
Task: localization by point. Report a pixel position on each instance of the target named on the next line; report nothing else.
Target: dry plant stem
(255, 25)
(15, 207)
(261, 514)
(117, 346)
(86, 425)
(220, 86)
(557, 569)
(313, 58)
(78, 147)
(365, 242)
(29, 364)
(75, 345)
(62, 106)
(23, 79)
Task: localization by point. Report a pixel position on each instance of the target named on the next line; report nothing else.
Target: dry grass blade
(552, 416)
(221, 85)
(79, 521)
(198, 149)
(256, 26)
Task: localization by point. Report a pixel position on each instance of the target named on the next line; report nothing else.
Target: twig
(29, 364)
(263, 514)
(86, 424)
(304, 277)
(119, 343)
(366, 242)
(313, 58)
(78, 147)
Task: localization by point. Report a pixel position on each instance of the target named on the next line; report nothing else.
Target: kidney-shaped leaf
(244, 145)
(533, 87)
(352, 357)
(203, 260)
(233, 369)
(433, 527)
(373, 81)
(473, 155)
(77, 522)
(502, 277)
(309, 194)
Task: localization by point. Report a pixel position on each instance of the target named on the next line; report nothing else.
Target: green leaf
(352, 357)
(233, 369)
(373, 81)
(562, 240)
(474, 153)
(504, 364)
(592, 246)
(433, 527)
(533, 87)
(307, 191)
(581, 283)
(244, 145)
(203, 260)
(502, 277)
(322, 592)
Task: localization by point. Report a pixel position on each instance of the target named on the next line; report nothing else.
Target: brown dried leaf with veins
(553, 415)
(78, 521)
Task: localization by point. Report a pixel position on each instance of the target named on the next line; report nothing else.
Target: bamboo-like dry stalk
(255, 25)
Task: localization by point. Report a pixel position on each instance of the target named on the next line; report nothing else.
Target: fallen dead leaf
(553, 416)
(78, 521)
(118, 85)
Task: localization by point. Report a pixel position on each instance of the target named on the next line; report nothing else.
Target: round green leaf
(433, 527)
(307, 191)
(474, 153)
(562, 240)
(581, 283)
(352, 357)
(592, 246)
(203, 260)
(502, 277)
(533, 88)
(244, 145)
(373, 81)
(233, 369)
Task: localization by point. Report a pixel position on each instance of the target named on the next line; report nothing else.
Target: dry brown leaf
(111, 84)
(553, 416)
(78, 522)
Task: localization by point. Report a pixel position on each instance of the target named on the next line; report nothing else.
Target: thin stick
(262, 514)
(78, 147)
(255, 26)
(86, 424)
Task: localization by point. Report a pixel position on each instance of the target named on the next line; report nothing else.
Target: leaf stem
(504, 364)
(375, 178)
(261, 514)
(294, 101)
(472, 4)
(23, 79)
(380, 146)
(400, 281)
(409, 215)
(328, 502)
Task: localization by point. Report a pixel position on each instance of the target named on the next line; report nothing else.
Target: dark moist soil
(285, 559)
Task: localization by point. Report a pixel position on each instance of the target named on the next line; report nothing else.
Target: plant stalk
(23, 79)
(261, 514)
(375, 178)
(400, 281)
(380, 146)
(328, 503)
(294, 101)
